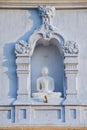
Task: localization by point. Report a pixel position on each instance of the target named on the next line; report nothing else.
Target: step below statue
(45, 87)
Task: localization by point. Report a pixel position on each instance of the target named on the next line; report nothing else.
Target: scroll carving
(71, 47)
(22, 47)
(47, 13)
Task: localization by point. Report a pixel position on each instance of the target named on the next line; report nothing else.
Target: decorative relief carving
(25, 50)
(46, 32)
(22, 47)
(71, 47)
(47, 13)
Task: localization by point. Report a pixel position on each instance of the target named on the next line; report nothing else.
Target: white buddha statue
(45, 83)
(45, 89)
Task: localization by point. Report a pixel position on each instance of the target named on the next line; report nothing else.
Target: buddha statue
(45, 83)
(45, 88)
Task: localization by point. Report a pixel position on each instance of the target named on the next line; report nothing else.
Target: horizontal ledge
(61, 4)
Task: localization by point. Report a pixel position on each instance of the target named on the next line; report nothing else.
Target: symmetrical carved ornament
(71, 47)
(24, 50)
(47, 13)
(46, 31)
(21, 47)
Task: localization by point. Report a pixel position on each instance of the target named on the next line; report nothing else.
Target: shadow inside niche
(10, 57)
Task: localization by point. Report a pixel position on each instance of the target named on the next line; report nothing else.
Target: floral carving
(21, 47)
(71, 47)
(47, 13)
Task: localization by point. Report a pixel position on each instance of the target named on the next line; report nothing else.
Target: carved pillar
(23, 71)
(23, 68)
(71, 71)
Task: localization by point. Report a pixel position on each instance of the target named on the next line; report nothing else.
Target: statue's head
(45, 71)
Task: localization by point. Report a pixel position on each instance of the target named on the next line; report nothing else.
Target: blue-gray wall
(20, 24)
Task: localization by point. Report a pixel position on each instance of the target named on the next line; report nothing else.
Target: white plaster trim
(60, 4)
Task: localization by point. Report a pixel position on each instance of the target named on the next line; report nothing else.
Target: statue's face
(45, 71)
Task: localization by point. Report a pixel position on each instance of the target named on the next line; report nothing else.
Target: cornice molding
(61, 4)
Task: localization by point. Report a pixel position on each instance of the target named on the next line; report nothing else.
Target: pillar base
(71, 100)
(7, 101)
(22, 99)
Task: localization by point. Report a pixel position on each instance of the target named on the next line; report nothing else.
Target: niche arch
(54, 35)
(47, 35)
(41, 48)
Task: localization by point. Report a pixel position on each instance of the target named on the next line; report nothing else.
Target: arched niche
(45, 47)
(48, 53)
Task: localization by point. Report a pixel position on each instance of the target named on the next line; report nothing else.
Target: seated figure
(45, 83)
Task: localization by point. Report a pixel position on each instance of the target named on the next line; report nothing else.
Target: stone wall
(20, 24)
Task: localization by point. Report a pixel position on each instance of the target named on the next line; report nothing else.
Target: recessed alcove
(47, 54)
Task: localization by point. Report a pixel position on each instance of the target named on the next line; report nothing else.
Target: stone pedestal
(51, 97)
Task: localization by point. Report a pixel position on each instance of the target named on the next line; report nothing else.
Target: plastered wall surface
(20, 24)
